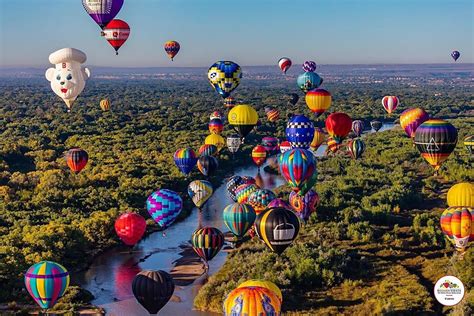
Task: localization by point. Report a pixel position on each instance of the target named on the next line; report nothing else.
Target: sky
(249, 32)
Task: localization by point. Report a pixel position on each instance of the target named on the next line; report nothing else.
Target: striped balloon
(239, 218)
(436, 140)
(298, 167)
(309, 66)
(76, 159)
(243, 192)
(185, 159)
(356, 147)
(284, 63)
(207, 242)
(164, 207)
(200, 191)
(259, 155)
(457, 224)
(270, 144)
(252, 300)
(318, 138)
(273, 115)
(305, 205)
(229, 102)
(410, 119)
(208, 150)
(318, 101)
(469, 144)
(46, 281)
(390, 103)
(357, 127)
(216, 126)
(333, 146)
(260, 198)
(265, 284)
(105, 104)
(172, 48)
(207, 165)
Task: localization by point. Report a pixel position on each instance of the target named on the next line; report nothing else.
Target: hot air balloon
(105, 104)
(207, 242)
(455, 54)
(164, 207)
(356, 147)
(216, 140)
(284, 63)
(318, 101)
(153, 289)
(207, 165)
(357, 127)
(216, 126)
(308, 81)
(200, 191)
(333, 146)
(102, 11)
(285, 146)
(298, 167)
(469, 144)
(376, 125)
(208, 150)
(116, 33)
(172, 48)
(216, 115)
(265, 284)
(390, 103)
(233, 143)
(279, 203)
(252, 300)
(185, 159)
(243, 191)
(68, 77)
(76, 159)
(461, 194)
(410, 119)
(318, 138)
(259, 155)
(457, 224)
(270, 144)
(260, 198)
(243, 119)
(277, 227)
(272, 114)
(239, 218)
(232, 185)
(436, 140)
(224, 76)
(304, 205)
(300, 131)
(338, 126)
(130, 228)
(309, 66)
(293, 98)
(229, 102)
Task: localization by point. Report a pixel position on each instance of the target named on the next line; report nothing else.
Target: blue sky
(250, 32)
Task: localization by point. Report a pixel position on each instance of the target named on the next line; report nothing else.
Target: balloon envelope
(130, 228)
(116, 33)
(357, 127)
(76, 159)
(164, 207)
(243, 119)
(207, 242)
(410, 119)
(207, 165)
(153, 289)
(172, 48)
(457, 224)
(284, 64)
(259, 155)
(309, 66)
(308, 81)
(338, 125)
(239, 218)
(390, 103)
(185, 159)
(318, 101)
(356, 147)
(224, 76)
(455, 55)
(102, 11)
(252, 300)
(461, 194)
(200, 191)
(300, 131)
(298, 167)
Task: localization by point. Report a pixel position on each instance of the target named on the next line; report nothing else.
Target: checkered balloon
(300, 131)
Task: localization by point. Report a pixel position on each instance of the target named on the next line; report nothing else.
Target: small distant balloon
(309, 66)
(172, 48)
(284, 63)
(455, 54)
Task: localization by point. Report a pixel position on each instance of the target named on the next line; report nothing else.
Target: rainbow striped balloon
(207, 242)
(457, 224)
(238, 218)
(412, 118)
(185, 159)
(46, 281)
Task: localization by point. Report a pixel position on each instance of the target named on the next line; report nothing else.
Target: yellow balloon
(252, 301)
(105, 105)
(318, 138)
(216, 140)
(266, 284)
(461, 194)
(318, 101)
(243, 118)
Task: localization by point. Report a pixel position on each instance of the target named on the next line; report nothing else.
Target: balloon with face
(68, 77)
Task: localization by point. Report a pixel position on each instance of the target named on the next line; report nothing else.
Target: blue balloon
(300, 131)
(308, 81)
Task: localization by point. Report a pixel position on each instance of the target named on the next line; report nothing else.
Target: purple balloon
(305, 205)
(309, 66)
(102, 11)
(279, 203)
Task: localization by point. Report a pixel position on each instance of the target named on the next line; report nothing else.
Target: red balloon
(76, 159)
(259, 155)
(116, 33)
(338, 126)
(130, 227)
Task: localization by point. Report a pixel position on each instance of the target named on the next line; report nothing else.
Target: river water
(110, 276)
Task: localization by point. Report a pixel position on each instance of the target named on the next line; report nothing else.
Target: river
(110, 276)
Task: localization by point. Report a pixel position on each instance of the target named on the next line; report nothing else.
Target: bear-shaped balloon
(68, 77)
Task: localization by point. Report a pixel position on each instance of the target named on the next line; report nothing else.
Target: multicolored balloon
(304, 205)
(436, 140)
(229, 102)
(216, 126)
(318, 101)
(455, 55)
(457, 224)
(300, 131)
(207, 165)
(207, 242)
(469, 144)
(259, 155)
(224, 76)
(208, 150)
(232, 185)
(272, 114)
(318, 138)
(104, 105)
(284, 63)
(172, 48)
(102, 11)
(357, 127)
(285, 146)
(76, 159)
(153, 289)
(390, 103)
(333, 146)
(308, 81)
(216, 115)
(116, 33)
(200, 191)
(265, 284)
(46, 281)
(243, 191)
(410, 119)
(277, 227)
(185, 159)
(356, 147)
(259, 199)
(233, 143)
(338, 125)
(243, 119)
(279, 203)
(252, 300)
(270, 144)
(376, 125)
(298, 167)
(164, 207)
(461, 194)
(130, 228)
(216, 140)
(239, 218)
(309, 66)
